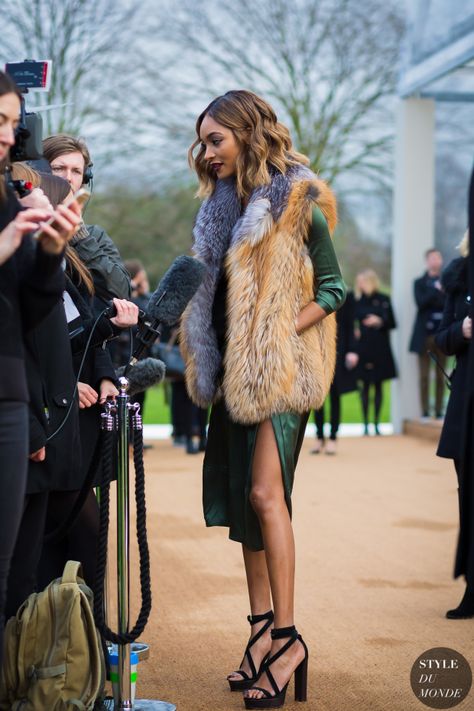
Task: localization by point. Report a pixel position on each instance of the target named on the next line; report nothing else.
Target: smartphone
(81, 196)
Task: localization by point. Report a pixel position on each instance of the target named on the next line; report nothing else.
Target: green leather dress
(227, 472)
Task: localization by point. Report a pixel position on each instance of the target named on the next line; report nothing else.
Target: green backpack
(53, 658)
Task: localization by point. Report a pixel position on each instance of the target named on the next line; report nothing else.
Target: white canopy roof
(438, 60)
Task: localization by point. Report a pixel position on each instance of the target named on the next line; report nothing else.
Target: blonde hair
(263, 142)
(56, 190)
(23, 171)
(371, 277)
(463, 246)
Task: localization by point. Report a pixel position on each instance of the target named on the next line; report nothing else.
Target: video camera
(30, 75)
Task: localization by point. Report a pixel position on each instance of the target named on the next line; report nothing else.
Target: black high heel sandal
(277, 699)
(247, 681)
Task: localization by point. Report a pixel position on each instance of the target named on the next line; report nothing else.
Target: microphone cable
(81, 366)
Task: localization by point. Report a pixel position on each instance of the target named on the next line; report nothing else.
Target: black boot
(190, 446)
(465, 609)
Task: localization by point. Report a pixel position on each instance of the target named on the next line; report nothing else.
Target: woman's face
(221, 147)
(9, 118)
(362, 284)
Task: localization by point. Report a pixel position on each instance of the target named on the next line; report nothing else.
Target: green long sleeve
(329, 288)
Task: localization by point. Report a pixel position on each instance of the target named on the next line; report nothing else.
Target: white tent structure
(438, 65)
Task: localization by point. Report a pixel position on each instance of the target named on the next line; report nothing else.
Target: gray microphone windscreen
(178, 285)
(143, 375)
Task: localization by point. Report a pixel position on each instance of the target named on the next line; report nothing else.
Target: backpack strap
(46, 672)
(72, 570)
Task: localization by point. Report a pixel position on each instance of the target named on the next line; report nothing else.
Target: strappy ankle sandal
(247, 681)
(277, 699)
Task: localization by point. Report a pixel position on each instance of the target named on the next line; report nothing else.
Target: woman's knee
(266, 500)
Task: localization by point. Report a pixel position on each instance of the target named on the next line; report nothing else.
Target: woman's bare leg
(260, 601)
(268, 500)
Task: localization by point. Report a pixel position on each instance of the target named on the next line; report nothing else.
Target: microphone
(111, 311)
(168, 301)
(146, 373)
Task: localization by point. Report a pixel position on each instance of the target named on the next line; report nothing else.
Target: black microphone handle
(111, 311)
(146, 336)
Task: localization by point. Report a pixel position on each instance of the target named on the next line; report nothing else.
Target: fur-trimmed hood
(455, 276)
(267, 366)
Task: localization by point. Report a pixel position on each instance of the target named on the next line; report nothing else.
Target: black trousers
(335, 420)
(13, 467)
(80, 543)
(182, 410)
(22, 579)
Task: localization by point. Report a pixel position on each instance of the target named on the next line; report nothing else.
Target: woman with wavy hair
(259, 344)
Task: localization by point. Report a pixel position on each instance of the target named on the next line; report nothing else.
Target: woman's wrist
(309, 316)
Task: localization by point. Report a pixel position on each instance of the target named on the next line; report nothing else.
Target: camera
(30, 75)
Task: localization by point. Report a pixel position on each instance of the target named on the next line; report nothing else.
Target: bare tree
(91, 45)
(328, 66)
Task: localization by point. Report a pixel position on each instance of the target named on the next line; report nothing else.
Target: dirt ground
(375, 530)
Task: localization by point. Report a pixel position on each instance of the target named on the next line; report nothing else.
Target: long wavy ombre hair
(263, 142)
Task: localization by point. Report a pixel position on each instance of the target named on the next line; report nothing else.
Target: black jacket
(450, 340)
(102, 258)
(428, 299)
(345, 380)
(53, 360)
(31, 283)
(97, 367)
(376, 361)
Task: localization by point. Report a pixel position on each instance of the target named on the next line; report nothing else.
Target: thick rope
(145, 583)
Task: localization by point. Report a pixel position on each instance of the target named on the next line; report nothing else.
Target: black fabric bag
(171, 357)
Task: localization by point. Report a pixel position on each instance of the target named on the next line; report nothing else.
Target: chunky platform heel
(247, 681)
(277, 699)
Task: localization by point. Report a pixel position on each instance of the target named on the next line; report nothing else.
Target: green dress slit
(227, 471)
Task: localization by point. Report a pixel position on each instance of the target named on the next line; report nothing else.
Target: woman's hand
(373, 321)
(127, 313)
(107, 389)
(53, 238)
(39, 455)
(37, 199)
(10, 237)
(87, 395)
(351, 360)
(467, 328)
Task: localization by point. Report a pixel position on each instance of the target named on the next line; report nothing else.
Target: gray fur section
(219, 224)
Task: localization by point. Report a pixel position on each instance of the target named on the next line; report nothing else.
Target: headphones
(88, 176)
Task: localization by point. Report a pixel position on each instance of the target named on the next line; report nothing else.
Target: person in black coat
(57, 453)
(31, 283)
(345, 379)
(96, 382)
(464, 564)
(429, 298)
(453, 338)
(375, 319)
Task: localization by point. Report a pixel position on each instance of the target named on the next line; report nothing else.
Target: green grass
(157, 411)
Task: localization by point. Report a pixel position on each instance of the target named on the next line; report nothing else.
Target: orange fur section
(268, 367)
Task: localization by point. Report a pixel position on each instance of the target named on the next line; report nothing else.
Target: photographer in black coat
(453, 338)
(429, 298)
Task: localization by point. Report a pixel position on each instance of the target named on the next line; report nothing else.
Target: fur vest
(268, 368)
